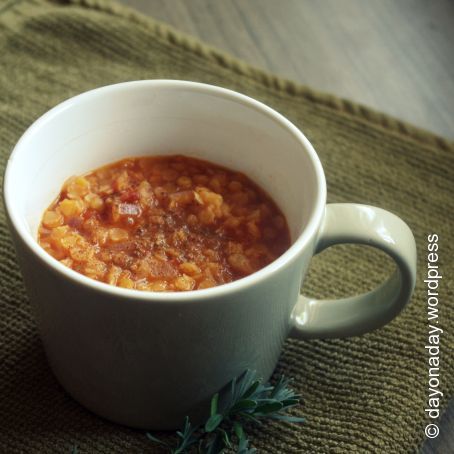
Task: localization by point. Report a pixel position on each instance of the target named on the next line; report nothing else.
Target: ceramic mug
(147, 359)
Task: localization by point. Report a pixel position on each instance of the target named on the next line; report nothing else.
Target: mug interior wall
(106, 125)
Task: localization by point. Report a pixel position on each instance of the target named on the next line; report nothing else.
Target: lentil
(158, 224)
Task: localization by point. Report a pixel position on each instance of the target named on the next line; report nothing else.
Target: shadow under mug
(148, 359)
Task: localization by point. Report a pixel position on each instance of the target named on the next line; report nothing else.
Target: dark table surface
(394, 56)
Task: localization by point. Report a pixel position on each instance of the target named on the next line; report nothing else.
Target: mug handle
(361, 224)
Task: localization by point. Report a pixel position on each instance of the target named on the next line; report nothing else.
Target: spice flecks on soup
(168, 223)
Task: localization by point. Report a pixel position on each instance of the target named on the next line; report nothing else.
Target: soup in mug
(164, 223)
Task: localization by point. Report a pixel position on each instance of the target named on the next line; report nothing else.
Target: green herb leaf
(226, 438)
(214, 445)
(238, 429)
(290, 402)
(287, 418)
(152, 438)
(251, 389)
(213, 422)
(249, 401)
(251, 418)
(246, 404)
(244, 382)
(214, 404)
(187, 438)
(243, 445)
(269, 407)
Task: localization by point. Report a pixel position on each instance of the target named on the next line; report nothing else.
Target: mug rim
(309, 231)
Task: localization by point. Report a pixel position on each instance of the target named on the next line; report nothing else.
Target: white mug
(147, 359)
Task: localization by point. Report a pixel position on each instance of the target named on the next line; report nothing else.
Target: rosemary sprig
(248, 401)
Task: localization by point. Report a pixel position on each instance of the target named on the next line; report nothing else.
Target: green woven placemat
(365, 394)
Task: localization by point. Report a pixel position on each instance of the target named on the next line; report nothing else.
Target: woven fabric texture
(363, 394)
